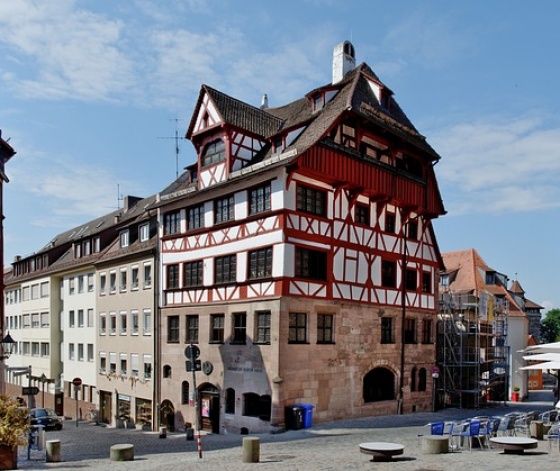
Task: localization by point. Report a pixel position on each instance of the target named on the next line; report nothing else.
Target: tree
(550, 326)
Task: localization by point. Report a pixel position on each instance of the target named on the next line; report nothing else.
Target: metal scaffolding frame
(472, 350)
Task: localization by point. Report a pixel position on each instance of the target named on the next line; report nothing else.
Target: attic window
(215, 152)
(318, 102)
(490, 278)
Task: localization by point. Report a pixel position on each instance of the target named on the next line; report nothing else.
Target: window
(172, 276)
(147, 366)
(172, 222)
(45, 289)
(297, 332)
(166, 371)
(224, 209)
(71, 285)
(388, 274)
(134, 365)
(35, 349)
(215, 152)
(80, 317)
(239, 328)
(193, 273)
(35, 320)
(173, 329)
(71, 351)
(123, 319)
(112, 282)
(147, 275)
(134, 278)
(192, 329)
(80, 352)
(102, 362)
(251, 404)
(262, 323)
(312, 201)
(362, 214)
(225, 269)
(71, 319)
(45, 349)
(411, 281)
(410, 331)
(230, 401)
(422, 379)
(427, 331)
(147, 322)
(102, 324)
(90, 352)
(123, 370)
(112, 323)
(426, 282)
(144, 231)
(260, 263)
(379, 385)
(134, 322)
(122, 280)
(259, 199)
(325, 325)
(45, 319)
(90, 282)
(387, 330)
(217, 328)
(185, 392)
(195, 217)
(413, 374)
(26, 321)
(90, 317)
(112, 363)
(412, 230)
(390, 223)
(123, 238)
(102, 283)
(311, 264)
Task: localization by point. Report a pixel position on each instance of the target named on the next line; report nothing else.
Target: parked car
(46, 417)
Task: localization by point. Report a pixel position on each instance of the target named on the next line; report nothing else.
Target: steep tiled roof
(516, 288)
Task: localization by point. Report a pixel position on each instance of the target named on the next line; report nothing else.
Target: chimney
(344, 60)
(264, 102)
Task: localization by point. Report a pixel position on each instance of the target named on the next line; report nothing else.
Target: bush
(14, 422)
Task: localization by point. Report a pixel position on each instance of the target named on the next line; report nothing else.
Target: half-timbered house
(298, 254)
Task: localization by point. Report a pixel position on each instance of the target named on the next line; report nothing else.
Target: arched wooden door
(209, 408)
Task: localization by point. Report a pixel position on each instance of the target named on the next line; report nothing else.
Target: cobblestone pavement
(327, 446)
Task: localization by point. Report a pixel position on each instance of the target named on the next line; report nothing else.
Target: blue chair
(436, 428)
(471, 432)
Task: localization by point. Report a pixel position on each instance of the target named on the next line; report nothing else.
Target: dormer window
(123, 237)
(490, 278)
(215, 152)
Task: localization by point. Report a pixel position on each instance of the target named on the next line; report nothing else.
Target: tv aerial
(177, 139)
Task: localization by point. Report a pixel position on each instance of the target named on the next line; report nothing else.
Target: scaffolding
(472, 350)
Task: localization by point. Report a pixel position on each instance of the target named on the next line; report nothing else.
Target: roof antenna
(119, 196)
(177, 138)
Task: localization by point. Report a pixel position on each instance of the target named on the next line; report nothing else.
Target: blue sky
(90, 91)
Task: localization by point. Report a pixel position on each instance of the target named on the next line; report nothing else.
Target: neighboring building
(298, 254)
(53, 301)
(482, 329)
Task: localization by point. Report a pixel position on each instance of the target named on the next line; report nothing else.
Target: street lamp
(6, 349)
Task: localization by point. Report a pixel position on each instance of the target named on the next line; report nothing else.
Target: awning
(547, 365)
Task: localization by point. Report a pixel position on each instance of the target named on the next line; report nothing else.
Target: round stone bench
(122, 452)
(515, 444)
(381, 450)
(435, 444)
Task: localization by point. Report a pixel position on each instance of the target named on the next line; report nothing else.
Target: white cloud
(64, 51)
(499, 165)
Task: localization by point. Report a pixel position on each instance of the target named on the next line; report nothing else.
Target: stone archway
(379, 385)
(167, 415)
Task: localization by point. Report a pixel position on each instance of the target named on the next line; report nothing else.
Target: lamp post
(6, 349)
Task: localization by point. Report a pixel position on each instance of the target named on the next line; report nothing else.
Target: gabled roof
(354, 94)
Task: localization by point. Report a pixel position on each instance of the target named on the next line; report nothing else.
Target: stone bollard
(251, 449)
(435, 444)
(163, 432)
(121, 452)
(53, 451)
(537, 429)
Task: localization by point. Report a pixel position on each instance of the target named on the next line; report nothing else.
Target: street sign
(77, 382)
(29, 390)
(192, 352)
(193, 365)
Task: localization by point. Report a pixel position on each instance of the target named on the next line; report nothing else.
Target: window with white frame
(70, 351)
(147, 322)
(35, 320)
(80, 352)
(45, 319)
(90, 282)
(112, 363)
(90, 317)
(45, 289)
(123, 367)
(134, 322)
(144, 231)
(147, 362)
(102, 284)
(134, 277)
(134, 365)
(71, 285)
(113, 323)
(90, 357)
(122, 323)
(102, 363)
(45, 349)
(81, 284)
(112, 281)
(123, 238)
(102, 323)
(147, 275)
(122, 279)
(80, 317)
(71, 319)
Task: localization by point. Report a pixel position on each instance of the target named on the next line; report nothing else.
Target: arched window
(379, 385)
(215, 152)
(413, 379)
(167, 371)
(422, 379)
(230, 401)
(185, 392)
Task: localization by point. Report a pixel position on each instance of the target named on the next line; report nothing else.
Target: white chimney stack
(344, 60)
(264, 102)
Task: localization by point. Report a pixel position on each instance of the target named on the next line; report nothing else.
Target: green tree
(550, 326)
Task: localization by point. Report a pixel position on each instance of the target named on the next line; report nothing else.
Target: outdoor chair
(436, 428)
(522, 425)
(506, 426)
(549, 417)
(471, 432)
(553, 434)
